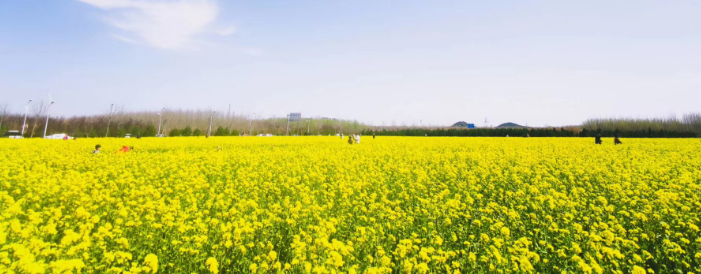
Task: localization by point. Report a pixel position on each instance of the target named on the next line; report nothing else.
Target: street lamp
(211, 114)
(110, 120)
(159, 124)
(26, 109)
(250, 123)
(47, 115)
(160, 116)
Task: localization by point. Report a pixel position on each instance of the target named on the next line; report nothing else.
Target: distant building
(463, 124)
(510, 125)
(59, 136)
(13, 134)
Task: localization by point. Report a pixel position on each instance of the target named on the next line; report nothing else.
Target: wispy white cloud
(124, 39)
(161, 24)
(251, 51)
(227, 31)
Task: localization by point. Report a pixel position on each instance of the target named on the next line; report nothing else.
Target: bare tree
(693, 122)
(37, 111)
(3, 113)
(109, 120)
(118, 115)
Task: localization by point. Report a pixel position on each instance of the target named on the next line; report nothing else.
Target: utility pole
(26, 109)
(47, 115)
(110, 120)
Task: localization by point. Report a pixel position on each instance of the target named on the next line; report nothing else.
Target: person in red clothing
(124, 149)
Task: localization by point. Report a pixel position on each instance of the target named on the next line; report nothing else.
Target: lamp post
(159, 124)
(250, 123)
(211, 114)
(46, 125)
(160, 116)
(26, 109)
(110, 120)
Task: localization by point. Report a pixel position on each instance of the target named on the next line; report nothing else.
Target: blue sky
(438, 62)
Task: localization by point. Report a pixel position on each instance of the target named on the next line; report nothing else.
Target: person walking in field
(373, 135)
(97, 149)
(357, 139)
(350, 139)
(616, 141)
(597, 139)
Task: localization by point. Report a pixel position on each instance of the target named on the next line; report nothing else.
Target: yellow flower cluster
(318, 205)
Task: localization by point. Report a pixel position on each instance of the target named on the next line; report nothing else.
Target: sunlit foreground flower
(319, 205)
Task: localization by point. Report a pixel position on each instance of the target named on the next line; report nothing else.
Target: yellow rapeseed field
(320, 205)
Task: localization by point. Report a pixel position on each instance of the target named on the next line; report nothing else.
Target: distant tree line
(531, 132)
(477, 132)
(688, 126)
(649, 133)
(172, 123)
(119, 122)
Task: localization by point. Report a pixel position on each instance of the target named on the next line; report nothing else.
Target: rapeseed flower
(312, 204)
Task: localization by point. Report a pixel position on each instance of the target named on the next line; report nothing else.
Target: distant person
(65, 137)
(373, 135)
(350, 139)
(124, 149)
(597, 139)
(341, 135)
(97, 149)
(616, 141)
(138, 136)
(357, 138)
